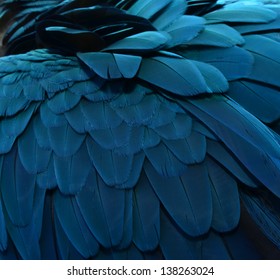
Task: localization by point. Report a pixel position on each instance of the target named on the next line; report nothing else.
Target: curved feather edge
(244, 135)
(264, 216)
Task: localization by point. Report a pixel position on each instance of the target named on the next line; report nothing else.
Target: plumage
(218, 35)
(135, 129)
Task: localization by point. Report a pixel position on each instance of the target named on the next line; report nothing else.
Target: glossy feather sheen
(133, 129)
(175, 69)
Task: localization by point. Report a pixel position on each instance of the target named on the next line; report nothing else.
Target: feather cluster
(138, 129)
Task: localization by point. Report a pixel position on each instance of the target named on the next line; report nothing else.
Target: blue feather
(147, 8)
(15, 125)
(189, 150)
(65, 249)
(154, 70)
(47, 238)
(259, 99)
(234, 63)
(215, 80)
(173, 11)
(63, 102)
(179, 127)
(26, 238)
(172, 240)
(218, 35)
(230, 162)
(114, 168)
(90, 201)
(3, 231)
(17, 188)
(49, 118)
(184, 29)
(47, 179)
(64, 140)
(267, 62)
(263, 215)
(70, 174)
(74, 225)
(32, 156)
(164, 161)
(146, 216)
(190, 204)
(139, 113)
(99, 115)
(10, 106)
(242, 13)
(41, 133)
(225, 197)
(111, 66)
(76, 119)
(32, 90)
(141, 42)
(244, 135)
(213, 248)
(88, 87)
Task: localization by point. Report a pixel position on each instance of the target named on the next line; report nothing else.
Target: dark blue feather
(76, 119)
(99, 115)
(213, 248)
(32, 90)
(47, 179)
(14, 126)
(65, 249)
(111, 66)
(225, 197)
(90, 201)
(70, 174)
(74, 226)
(230, 162)
(47, 238)
(10, 106)
(142, 112)
(267, 62)
(189, 150)
(179, 127)
(164, 161)
(259, 99)
(263, 215)
(234, 63)
(26, 238)
(63, 102)
(33, 157)
(190, 204)
(155, 70)
(41, 133)
(49, 118)
(3, 231)
(173, 240)
(113, 167)
(244, 135)
(146, 216)
(64, 140)
(17, 188)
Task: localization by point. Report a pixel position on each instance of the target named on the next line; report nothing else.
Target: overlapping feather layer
(127, 127)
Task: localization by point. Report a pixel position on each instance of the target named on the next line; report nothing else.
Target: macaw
(139, 129)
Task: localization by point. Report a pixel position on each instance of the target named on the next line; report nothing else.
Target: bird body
(139, 130)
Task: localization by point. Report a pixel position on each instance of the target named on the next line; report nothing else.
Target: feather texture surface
(139, 130)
